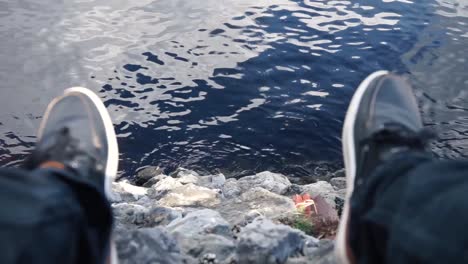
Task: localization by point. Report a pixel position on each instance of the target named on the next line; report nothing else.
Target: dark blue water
(230, 86)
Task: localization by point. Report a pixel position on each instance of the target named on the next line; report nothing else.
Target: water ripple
(236, 87)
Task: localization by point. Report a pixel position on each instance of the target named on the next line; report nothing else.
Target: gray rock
(145, 201)
(230, 189)
(154, 180)
(293, 189)
(180, 172)
(257, 200)
(212, 181)
(250, 216)
(323, 189)
(310, 245)
(322, 171)
(273, 182)
(160, 216)
(162, 187)
(188, 178)
(129, 214)
(208, 248)
(145, 174)
(339, 174)
(190, 195)
(115, 197)
(341, 194)
(200, 222)
(298, 260)
(339, 205)
(208, 259)
(127, 192)
(218, 180)
(148, 245)
(184, 232)
(262, 241)
(340, 201)
(338, 183)
(135, 215)
(322, 254)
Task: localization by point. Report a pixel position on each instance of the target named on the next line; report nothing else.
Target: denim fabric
(412, 209)
(51, 216)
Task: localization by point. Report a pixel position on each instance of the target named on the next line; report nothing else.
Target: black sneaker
(77, 131)
(382, 119)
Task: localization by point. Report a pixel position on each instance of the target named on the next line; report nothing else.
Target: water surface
(234, 86)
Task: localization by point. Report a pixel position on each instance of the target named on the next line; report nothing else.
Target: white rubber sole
(349, 156)
(113, 257)
(113, 149)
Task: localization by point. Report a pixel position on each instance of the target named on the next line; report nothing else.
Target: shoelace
(64, 146)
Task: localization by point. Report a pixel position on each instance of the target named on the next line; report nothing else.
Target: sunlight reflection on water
(230, 85)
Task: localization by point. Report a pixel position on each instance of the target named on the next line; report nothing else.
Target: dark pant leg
(47, 216)
(413, 209)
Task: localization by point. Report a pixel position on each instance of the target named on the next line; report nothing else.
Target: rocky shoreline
(190, 218)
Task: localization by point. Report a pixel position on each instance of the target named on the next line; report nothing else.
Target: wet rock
(262, 241)
(200, 222)
(339, 173)
(146, 174)
(154, 180)
(148, 245)
(273, 182)
(321, 171)
(339, 183)
(190, 195)
(325, 171)
(210, 181)
(257, 200)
